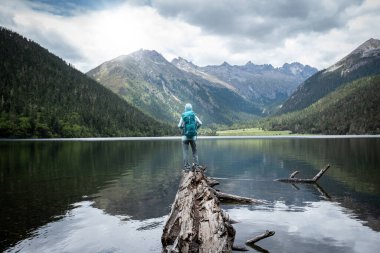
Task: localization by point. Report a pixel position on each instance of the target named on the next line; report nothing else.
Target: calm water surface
(114, 195)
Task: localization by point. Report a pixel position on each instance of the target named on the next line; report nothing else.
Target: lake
(113, 195)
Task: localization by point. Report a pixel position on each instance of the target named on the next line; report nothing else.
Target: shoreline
(290, 136)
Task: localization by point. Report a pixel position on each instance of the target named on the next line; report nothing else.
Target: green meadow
(251, 131)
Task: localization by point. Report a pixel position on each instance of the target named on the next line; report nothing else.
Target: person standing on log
(189, 123)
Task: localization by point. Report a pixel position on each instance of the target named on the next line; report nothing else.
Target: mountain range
(262, 84)
(154, 85)
(138, 94)
(220, 94)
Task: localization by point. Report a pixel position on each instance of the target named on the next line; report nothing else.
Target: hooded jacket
(181, 124)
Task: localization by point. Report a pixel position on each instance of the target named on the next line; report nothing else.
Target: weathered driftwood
(294, 174)
(293, 179)
(196, 222)
(252, 242)
(225, 197)
(239, 248)
(212, 182)
(260, 237)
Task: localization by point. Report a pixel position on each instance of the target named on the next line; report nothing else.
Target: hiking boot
(186, 167)
(196, 165)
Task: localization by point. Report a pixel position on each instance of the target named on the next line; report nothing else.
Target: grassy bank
(250, 131)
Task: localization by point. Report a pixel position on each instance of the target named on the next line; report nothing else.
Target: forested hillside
(354, 108)
(43, 96)
(363, 61)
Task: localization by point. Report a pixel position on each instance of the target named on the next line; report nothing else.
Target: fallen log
(212, 182)
(293, 179)
(196, 222)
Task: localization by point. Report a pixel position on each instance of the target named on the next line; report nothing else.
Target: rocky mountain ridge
(368, 51)
(147, 80)
(361, 62)
(223, 93)
(263, 84)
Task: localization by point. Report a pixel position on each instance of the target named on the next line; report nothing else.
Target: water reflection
(113, 196)
(87, 229)
(322, 226)
(40, 180)
(352, 179)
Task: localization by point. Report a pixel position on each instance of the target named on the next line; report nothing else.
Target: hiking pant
(185, 150)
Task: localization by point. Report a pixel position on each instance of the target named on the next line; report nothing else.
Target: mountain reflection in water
(113, 196)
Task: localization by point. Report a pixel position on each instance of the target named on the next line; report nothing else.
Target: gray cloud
(6, 19)
(266, 21)
(47, 38)
(54, 42)
(314, 32)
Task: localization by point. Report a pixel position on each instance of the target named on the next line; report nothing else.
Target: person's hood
(188, 107)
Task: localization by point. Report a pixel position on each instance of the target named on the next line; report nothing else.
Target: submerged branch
(260, 237)
(293, 179)
(239, 248)
(226, 197)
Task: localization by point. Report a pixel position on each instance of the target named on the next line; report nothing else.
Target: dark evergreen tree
(363, 61)
(354, 108)
(43, 96)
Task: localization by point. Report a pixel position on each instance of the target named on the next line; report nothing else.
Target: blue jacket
(181, 125)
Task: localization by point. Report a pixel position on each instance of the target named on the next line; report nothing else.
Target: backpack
(190, 129)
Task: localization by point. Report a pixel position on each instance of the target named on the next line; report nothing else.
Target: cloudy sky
(86, 32)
